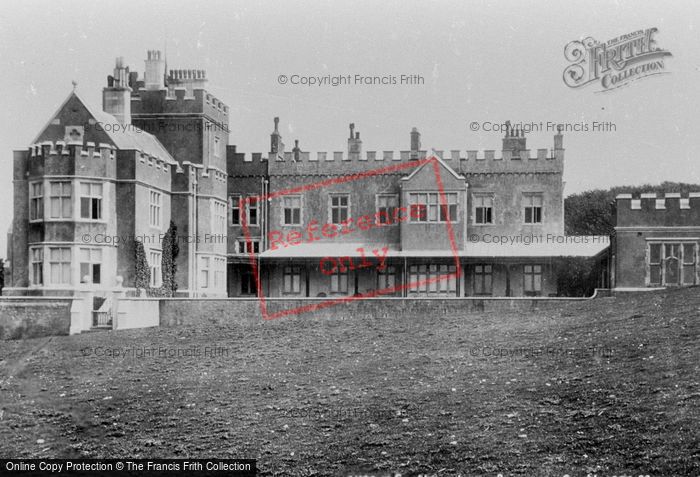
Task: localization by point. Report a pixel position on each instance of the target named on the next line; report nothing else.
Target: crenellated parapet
(662, 209)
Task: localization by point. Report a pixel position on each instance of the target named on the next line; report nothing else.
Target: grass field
(610, 386)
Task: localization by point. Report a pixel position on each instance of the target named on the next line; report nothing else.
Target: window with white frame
(432, 279)
(427, 207)
(59, 265)
(204, 271)
(386, 277)
(386, 208)
(291, 279)
(91, 200)
(60, 203)
(532, 275)
(156, 211)
(672, 263)
(36, 260)
(36, 201)
(339, 208)
(483, 279)
(533, 208)
(483, 208)
(291, 210)
(90, 265)
(252, 210)
(155, 263)
(219, 219)
(339, 281)
(248, 246)
(235, 209)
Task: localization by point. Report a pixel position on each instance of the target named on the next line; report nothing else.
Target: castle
(96, 189)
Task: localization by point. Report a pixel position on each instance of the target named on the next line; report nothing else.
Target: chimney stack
(354, 143)
(276, 144)
(155, 70)
(116, 97)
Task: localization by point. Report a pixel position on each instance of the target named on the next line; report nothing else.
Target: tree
(143, 271)
(2, 274)
(171, 250)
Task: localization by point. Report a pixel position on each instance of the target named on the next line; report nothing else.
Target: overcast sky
(481, 61)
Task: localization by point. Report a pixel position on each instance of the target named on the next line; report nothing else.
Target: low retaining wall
(136, 313)
(33, 317)
(187, 311)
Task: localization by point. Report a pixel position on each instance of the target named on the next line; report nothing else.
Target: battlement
(653, 201)
(178, 100)
(186, 75)
(88, 150)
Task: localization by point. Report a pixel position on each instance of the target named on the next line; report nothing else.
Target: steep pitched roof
(439, 161)
(126, 138)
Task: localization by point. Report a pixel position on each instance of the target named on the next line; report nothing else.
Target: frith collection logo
(615, 63)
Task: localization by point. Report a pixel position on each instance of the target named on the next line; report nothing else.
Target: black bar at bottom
(130, 467)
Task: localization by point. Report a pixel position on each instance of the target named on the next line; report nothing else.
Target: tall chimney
(276, 144)
(354, 143)
(116, 97)
(415, 143)
(155, 70)
(559, 143)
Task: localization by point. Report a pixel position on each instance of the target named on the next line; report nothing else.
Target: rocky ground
(610, 386)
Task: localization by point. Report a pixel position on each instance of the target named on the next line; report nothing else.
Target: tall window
(217, 146)
(59, 265)
(247, 282)
(483, 280)
(36, 258)
(533, 279)
(91, 200)
(672, 264)
(235, 210)
(386, 207)
(60, 200)
(291, 209)
(432, 279)
(340, 208)
(533, 208)
(291, 279)
(205, 263)
(339, 281)
(90, 265)
(36, 201)
(219, 219)
(155, 208)
(386, 278)
(155, 263)
(483, 208)
(426, 207)
(253, 211)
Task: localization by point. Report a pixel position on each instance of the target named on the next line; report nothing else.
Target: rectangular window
(386, 278)
(91, 200)
(36, 258)
(60, 200)
(340, 208)
(204, 272)
(245, 246)
(219, 217)
(483, 280)
(235, 210)
(219, 273)
(155, 263)
(427, 207)
(533, 208)
(155, 208)
(36, 201)
(533, 280)
(253, 211)
(90, 265)
(655, 263)
(386, 208)
(292, 279)
(432, 280)
(339, 281)
(217, 147)
(483, 208)
(59, 265)
(672, 264)
(689, 264)
(291, 209)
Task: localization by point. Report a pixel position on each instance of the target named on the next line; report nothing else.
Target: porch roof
(571, 246)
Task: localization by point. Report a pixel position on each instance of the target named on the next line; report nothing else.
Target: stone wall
(34, 317)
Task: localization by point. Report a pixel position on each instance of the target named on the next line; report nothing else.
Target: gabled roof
(127, 138)
(441, 162)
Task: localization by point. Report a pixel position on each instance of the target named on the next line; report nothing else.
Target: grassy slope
(406, 394)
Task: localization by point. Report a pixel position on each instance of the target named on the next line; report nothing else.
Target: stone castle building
(466, 223)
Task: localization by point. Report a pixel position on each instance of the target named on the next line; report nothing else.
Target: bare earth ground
(613, 389)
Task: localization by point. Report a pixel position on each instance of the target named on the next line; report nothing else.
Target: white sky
(482, 61)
